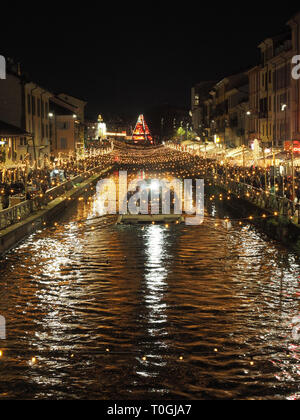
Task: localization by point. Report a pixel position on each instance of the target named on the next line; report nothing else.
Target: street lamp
(52, 116)
(247, 125)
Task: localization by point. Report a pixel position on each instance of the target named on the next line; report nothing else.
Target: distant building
(79, 108)
(202, 108)
(274, 95)
(91, 130)
(65, 129)
(266, 107)
(271, 91)
(220, 110)
(37, 122)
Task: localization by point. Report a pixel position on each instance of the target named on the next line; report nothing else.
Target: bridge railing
(16, 213)
(261, 198)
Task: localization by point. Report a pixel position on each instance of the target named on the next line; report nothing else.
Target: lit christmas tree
(141, 132)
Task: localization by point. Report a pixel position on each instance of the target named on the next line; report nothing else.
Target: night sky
(128, 64)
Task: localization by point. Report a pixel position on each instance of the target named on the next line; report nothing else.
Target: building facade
(202, 107)
(294, 25)
(79, 110)
(220, 110)
(65, 129)
(37, 123)
(25, 105)
(262, 104)
(274, 94)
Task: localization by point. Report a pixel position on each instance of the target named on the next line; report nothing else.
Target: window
(64, 125)
(63, 143)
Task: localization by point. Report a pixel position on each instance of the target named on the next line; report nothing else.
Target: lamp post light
(52, 117)
(247, 128)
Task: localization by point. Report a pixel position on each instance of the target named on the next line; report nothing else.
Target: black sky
(130, 63)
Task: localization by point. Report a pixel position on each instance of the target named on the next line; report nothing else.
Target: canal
(98, 311)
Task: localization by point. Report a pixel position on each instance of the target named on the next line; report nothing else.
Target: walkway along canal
(277, 216)
(17, 222)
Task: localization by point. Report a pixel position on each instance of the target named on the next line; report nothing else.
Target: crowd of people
(158, 160)
(264, 179)
(32, 182)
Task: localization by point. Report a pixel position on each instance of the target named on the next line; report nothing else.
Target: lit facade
(25, 105)
(37, 123)
(65, 129)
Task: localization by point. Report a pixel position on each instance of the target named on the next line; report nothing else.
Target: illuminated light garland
(165, 160)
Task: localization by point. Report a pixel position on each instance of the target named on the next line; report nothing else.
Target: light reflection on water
(222, 299)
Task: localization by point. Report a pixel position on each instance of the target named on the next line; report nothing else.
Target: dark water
(72, 292)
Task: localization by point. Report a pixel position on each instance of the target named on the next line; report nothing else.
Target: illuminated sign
(296, 146)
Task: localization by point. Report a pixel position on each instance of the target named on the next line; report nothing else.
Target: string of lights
(107, 352)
